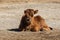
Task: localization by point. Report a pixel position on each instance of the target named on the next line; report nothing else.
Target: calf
(33, 23)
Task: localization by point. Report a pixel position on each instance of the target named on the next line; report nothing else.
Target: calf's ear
(36, 11)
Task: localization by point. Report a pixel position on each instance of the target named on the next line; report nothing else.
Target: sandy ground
(27, 1)
(11, 35)
(10, 16)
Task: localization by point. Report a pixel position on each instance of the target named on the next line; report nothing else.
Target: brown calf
(33, 23)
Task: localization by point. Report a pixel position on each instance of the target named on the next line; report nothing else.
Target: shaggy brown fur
(24, 23)
(38, 23)
(31, 22)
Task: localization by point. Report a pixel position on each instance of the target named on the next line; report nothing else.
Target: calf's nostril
(28, 19)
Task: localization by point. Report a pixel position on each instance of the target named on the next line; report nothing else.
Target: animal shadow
(15, 29)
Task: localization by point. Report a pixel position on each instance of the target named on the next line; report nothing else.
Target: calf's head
(29, 13)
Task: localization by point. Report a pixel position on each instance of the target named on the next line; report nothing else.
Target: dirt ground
(27, 1)
(11, 35)
(10, 16)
